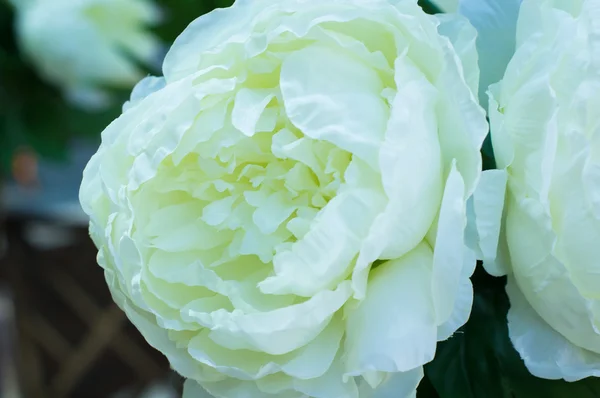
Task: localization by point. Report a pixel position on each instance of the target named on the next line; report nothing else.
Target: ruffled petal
(324, 256)
(330, 96)
(547, 353)
(275, 332)
(463, 301)
(411, 143)
(309, 362)
(395, 385)
(222, 25)
(144, 88)
(463, 37)
(449, 248)
(398, 337)
(232, 388)
(488, 205)
(496, 24)
(331, 384)
(248, 107)
(464, 126)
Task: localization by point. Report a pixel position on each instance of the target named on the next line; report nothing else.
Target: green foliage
(429, 7)
(487, 154)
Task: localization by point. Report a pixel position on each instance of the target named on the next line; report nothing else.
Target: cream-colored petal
(394, 328)
(330, 96)
(275, 332)
(496, 24)
(463, 300)
(449, 249)
(488, 206)
(325, 255)
(547, 353)
(309, 362)
(395, 385)
(411, 143)
(463, 37)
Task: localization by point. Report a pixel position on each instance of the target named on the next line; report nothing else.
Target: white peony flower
(240, 203)
(82, 45)
(545, 128)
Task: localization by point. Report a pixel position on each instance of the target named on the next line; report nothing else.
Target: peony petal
(449, 248)
(463, 301)
(273, 212)
(547, 353)
(463, 37)
(496, 24)
(219, 26)
(216, 212)
(205, 125)
(411, 143)
(330, 96)
(179, 227)
(248, 107)
(331, 384)
(464, 128)
(278, 331)
(324, 256)
(488, 204)
(308, 362)
(144, 88)
(396, 385)
(232, 388)
(397, 337)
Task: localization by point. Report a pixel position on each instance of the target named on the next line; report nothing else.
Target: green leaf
(429, 7)
(487, 154)
(426, 389)
(479, 361)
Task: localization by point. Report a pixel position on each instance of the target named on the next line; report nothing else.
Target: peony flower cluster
(283, 213)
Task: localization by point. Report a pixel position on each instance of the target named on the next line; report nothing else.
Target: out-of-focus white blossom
(83, 46)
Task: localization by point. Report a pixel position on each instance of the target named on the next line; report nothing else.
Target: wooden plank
(47, 337)
(136, 357)
(102, 332)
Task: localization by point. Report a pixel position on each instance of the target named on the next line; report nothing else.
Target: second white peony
(545, 128)
(282, 215)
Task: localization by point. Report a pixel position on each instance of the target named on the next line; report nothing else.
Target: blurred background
(66, 67)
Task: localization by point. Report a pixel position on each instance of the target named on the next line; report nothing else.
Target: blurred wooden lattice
(73, 341)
